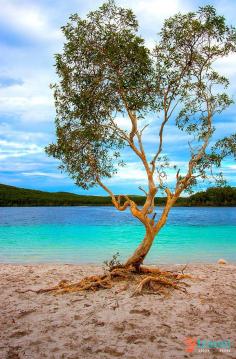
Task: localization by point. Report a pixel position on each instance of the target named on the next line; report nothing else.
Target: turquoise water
(92, 235)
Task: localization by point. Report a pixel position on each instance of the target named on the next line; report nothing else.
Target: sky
(30, 35)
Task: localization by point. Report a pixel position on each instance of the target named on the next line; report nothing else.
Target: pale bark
(142, 250)
(152, 231)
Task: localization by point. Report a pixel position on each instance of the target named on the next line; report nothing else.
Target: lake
(94, 234)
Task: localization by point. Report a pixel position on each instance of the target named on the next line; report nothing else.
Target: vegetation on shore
(13, 196)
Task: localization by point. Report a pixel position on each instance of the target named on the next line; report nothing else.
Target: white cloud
(226, 67)
(19, 103)
(171, 135)
(156, 8)
(28, 19)
(134, 173)
(10, 134)
(123, 122)
(232, 167)
(152, 12)
(19, 146)
(44, 174)
(32, 101)
(9, 149)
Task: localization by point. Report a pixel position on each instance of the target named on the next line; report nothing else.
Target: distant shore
(111, 323)
(11, 196)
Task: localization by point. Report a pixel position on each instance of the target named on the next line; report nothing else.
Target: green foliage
(218, 196)
(223, 148)
(14, 196)
(189, 45)
(106, 69)
(113, 262)
(102, 58)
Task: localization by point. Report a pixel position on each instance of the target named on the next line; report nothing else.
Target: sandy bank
(111, 323)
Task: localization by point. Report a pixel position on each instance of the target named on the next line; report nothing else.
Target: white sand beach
(110, 323)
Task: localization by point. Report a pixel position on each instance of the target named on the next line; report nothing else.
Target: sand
(111, 323)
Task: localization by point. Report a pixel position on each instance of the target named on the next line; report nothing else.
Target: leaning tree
(105, 70)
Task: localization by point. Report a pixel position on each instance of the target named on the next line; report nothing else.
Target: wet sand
(111, 323)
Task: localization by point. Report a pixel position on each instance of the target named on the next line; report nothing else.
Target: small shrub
(114, 262)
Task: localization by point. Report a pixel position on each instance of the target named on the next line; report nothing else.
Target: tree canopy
(106, 69)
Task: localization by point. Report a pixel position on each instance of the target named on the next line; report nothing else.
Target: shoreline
(111, 323)
(100, 265)
(111, 205)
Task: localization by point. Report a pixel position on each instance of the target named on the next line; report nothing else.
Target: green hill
(14, 196)
(215, 196)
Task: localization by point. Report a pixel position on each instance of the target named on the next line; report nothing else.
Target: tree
(105, 69)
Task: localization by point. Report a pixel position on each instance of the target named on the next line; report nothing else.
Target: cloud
(7, 132)
(226, 67)
(15, 149)
(152, 13)
(28, 19)
(19, 146)
(29, 109)
(135, 174)
(44, 174)
(8, 82)
(232, 167)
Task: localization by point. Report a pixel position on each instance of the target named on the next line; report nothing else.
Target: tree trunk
(151, 231)
(140, 253)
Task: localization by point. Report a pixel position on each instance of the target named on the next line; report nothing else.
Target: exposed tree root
(146, 279)
(161, 280)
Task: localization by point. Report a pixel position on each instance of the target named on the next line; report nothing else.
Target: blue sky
(29, 37)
